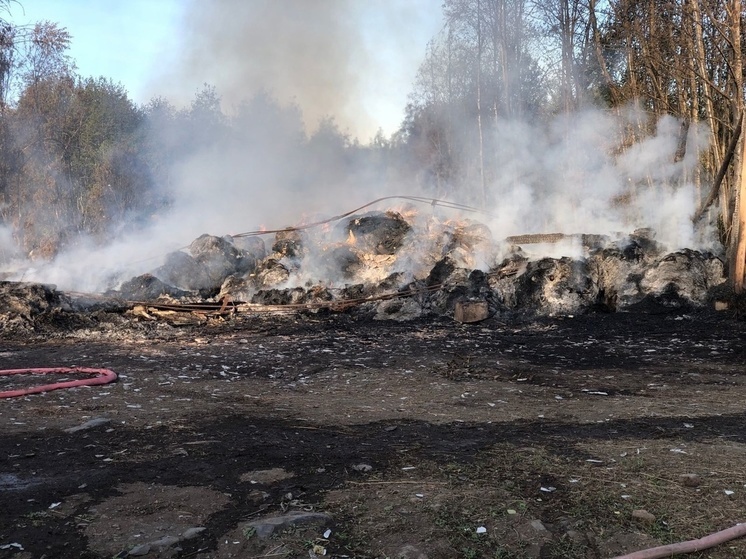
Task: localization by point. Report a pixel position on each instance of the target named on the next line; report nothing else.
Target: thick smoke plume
(572, 177)
(330, 57)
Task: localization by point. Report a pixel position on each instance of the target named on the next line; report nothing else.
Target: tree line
(77, 156)
(529, 60)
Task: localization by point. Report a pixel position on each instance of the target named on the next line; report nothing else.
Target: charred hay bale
(291, 296)
(316, 295)
(442, 270)
(237, 288)
(466, 242)
(269, 273)
(289, 243)
(220, 258)
(552, 287)
(392, 283)
(22, 304)
(32, 308)
(617, 273)
(399, 310)
(456, 284)
(502, 278)
(644, 241)
(147, 287)
(252, 245)
(618, 269)
(356, 291)
(378, 232)
(341, 259)
(686, 274)
(182, 271)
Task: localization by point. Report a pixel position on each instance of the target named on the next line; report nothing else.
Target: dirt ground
(333, 434)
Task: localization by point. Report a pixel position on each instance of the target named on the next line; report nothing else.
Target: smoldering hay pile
(404, 264)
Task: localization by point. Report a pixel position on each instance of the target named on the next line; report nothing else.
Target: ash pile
(401, 266)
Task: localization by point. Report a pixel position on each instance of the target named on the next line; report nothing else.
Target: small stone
(410, 552)
(140, 550)
(192, 532)
(90, 424)
(690, 480)
(163, 543)
(538, 525)
(643, 516)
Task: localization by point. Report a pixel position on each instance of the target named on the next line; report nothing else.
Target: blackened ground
(410, 435)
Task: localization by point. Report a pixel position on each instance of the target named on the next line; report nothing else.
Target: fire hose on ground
(99, 376)
(691, 546)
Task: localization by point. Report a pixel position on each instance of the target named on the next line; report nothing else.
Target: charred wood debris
(395, 266)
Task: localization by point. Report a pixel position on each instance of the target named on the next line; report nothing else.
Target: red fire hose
(691, 546)
(100, 376)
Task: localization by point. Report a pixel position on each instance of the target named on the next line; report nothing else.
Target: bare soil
(418, 439)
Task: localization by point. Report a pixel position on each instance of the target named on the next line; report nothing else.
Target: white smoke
(567, 176)
(572, 177)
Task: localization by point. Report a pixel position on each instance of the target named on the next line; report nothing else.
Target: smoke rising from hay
(572, 177)
(567, 176)
(280, 68)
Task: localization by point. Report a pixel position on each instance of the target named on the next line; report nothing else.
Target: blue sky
(120, 39)
(134, 42)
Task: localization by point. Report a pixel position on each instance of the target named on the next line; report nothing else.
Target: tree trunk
(701, 64)
(739, 208)
(738, 255)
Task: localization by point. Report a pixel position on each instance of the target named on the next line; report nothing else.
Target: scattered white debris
(405, 468)
(548, 489)
(14, 544)
(689, 425)
(678, 451)
(55, 505)
(728, 492)
(481, 530)
(327, 534)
